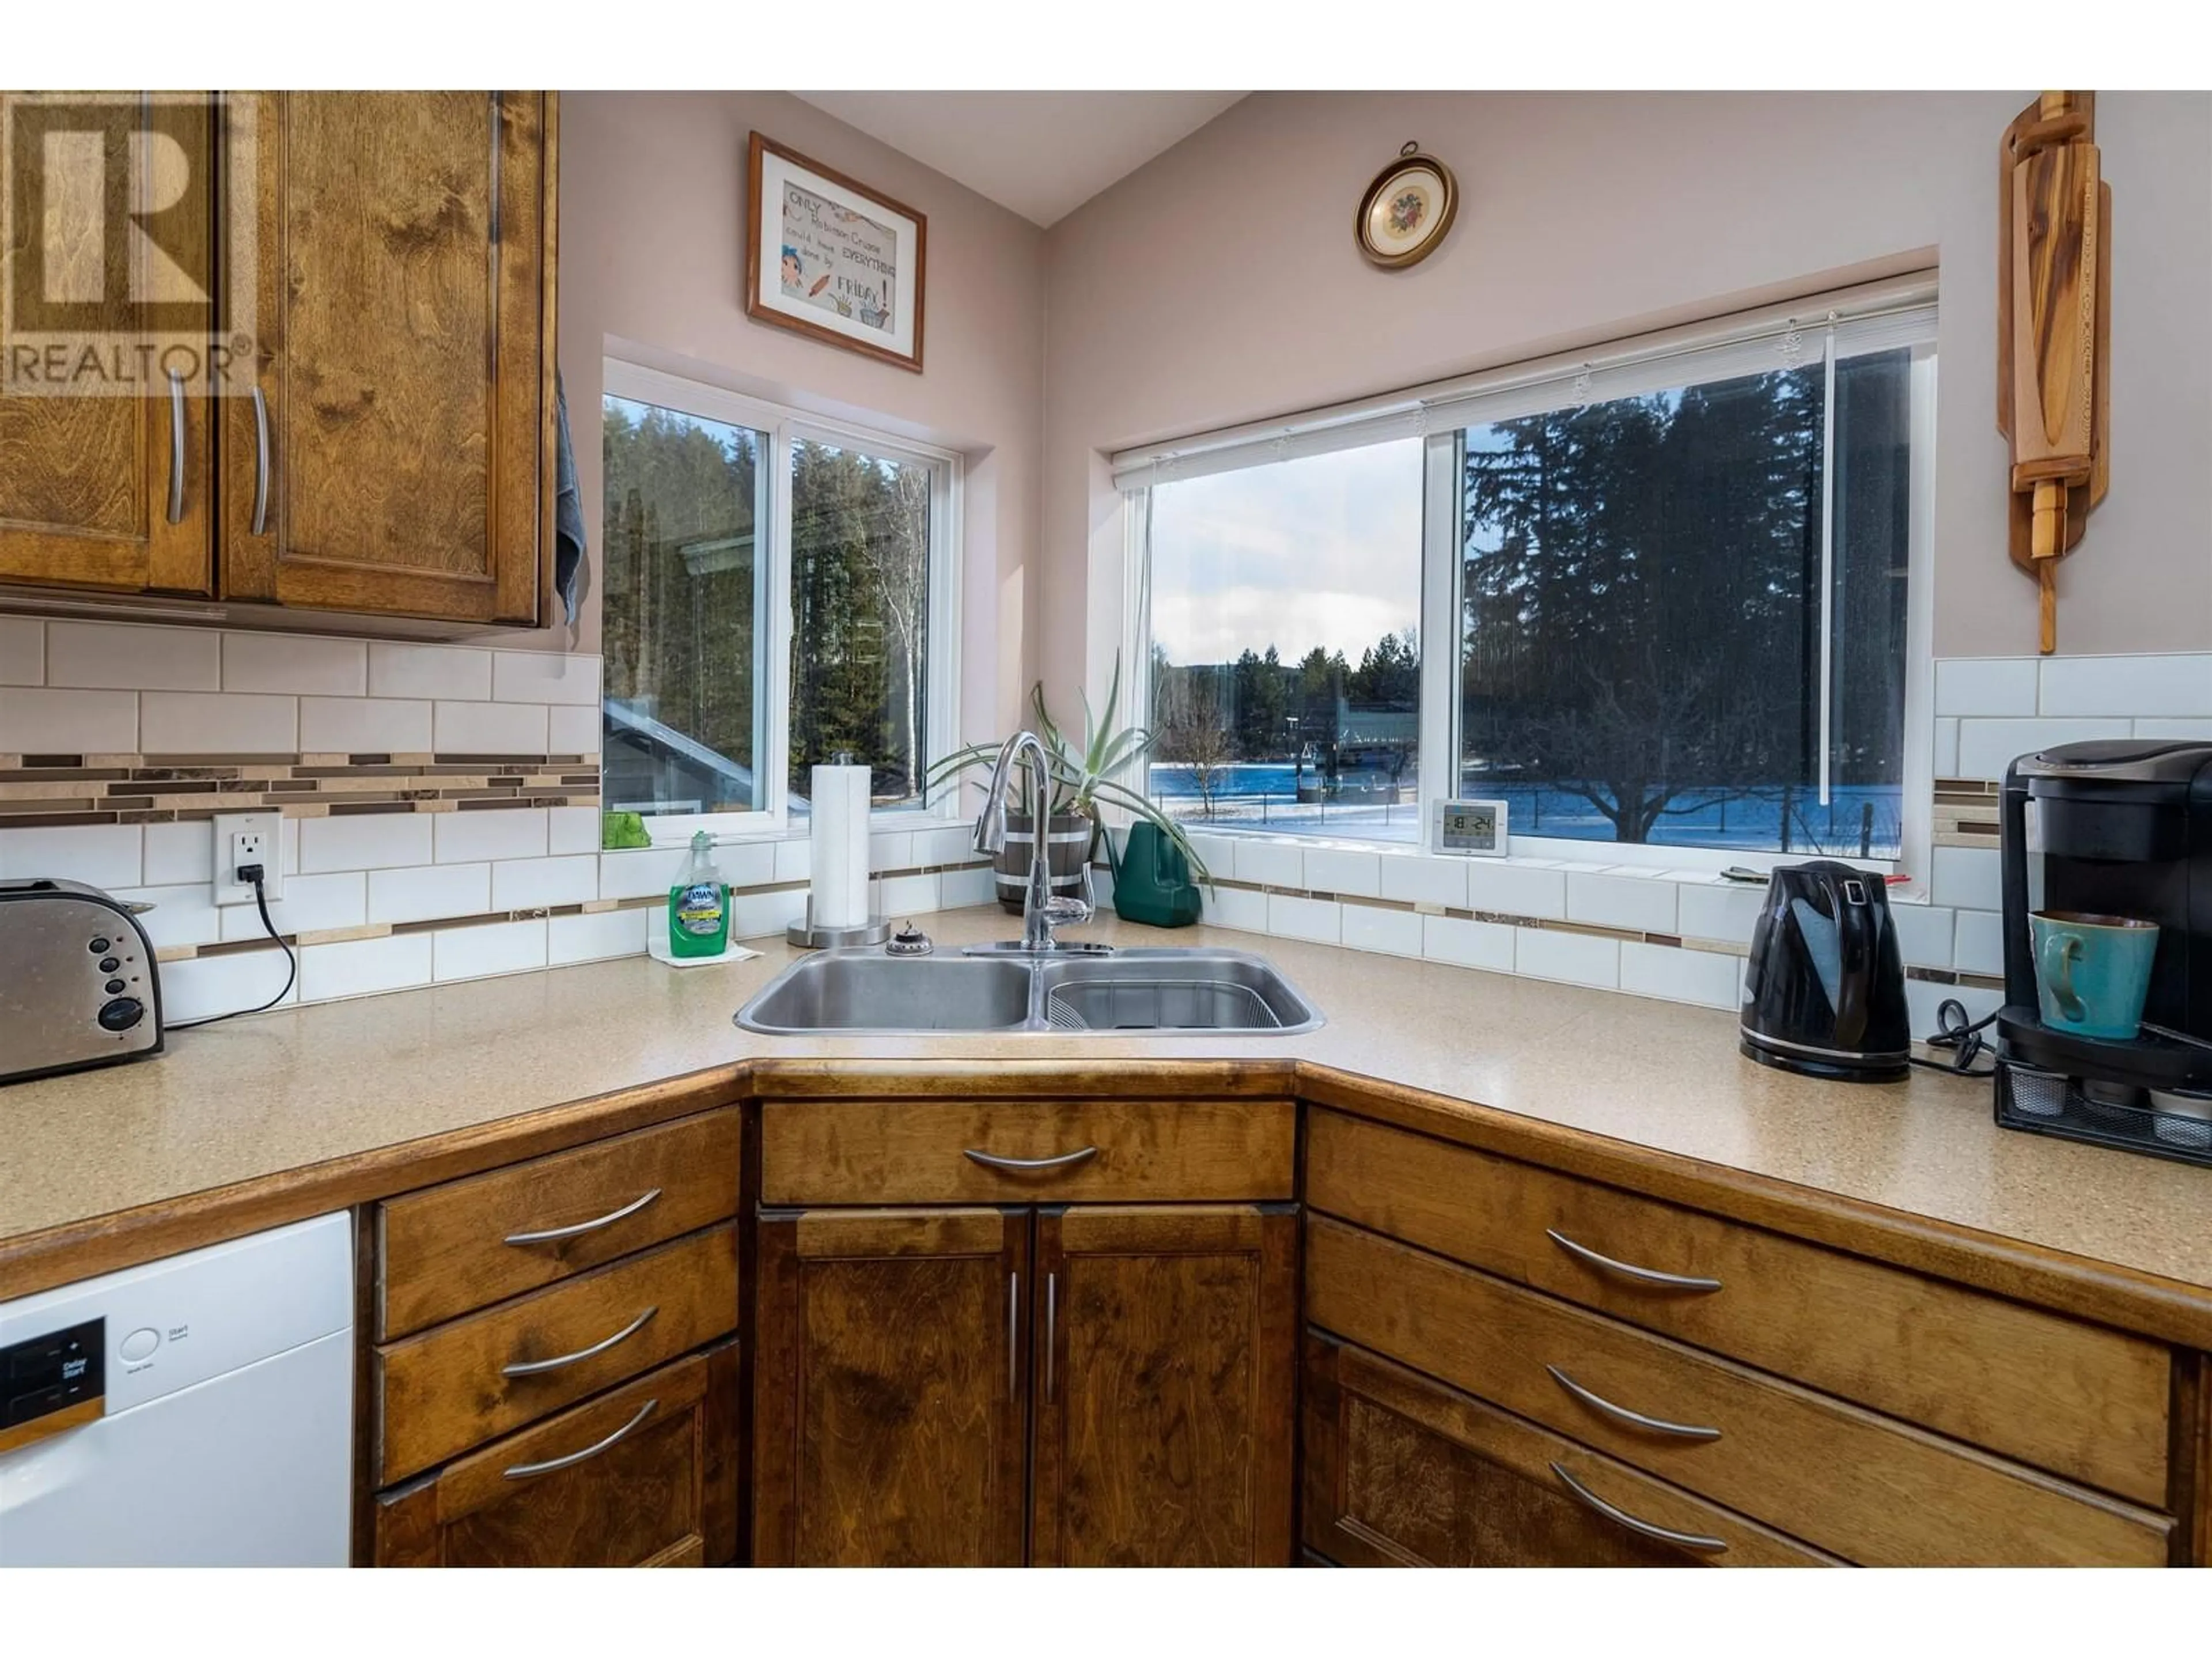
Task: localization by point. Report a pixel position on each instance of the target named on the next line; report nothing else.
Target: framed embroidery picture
(828, 258)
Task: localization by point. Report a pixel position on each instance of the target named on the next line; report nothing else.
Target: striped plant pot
(1067, 849)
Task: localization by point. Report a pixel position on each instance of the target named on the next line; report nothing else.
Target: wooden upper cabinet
(398, 458)
(1166, 1348)
(104, 492)
(888, 1396)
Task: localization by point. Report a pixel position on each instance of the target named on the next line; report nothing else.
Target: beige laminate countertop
(275, 1093)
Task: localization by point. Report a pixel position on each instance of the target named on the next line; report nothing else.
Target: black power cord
(252, 874)
(1964, 1041)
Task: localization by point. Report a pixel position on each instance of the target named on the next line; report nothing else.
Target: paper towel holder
(805, 935)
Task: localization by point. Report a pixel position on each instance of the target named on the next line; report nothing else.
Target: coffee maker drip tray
(2152, 1095)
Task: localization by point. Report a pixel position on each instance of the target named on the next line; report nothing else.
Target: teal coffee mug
(2092, 973)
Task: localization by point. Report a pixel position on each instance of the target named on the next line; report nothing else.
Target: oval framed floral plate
(1406, 210)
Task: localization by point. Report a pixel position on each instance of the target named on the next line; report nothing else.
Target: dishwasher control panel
(52, 1381)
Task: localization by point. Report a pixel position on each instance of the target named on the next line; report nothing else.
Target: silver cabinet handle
(532, 1367)
(549, 1234)
(1051, 1323)
(1059, 1161)
(260, 462)
(1013, 1335)
(523, 1471)
(176, 447)
(1634, 1420)
(1688, 1541)
(1629, 1269)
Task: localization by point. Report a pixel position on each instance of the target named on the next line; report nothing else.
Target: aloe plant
(1085, 774)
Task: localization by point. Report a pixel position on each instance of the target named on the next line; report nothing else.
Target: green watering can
(1151, 879)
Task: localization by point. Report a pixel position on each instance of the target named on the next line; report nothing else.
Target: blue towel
(567, 511)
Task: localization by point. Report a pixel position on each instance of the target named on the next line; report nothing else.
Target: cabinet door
(113, 493)
(889, 1397)
(1166, 1356)
(397, 460)
(1401, 1471)
(646, 1475)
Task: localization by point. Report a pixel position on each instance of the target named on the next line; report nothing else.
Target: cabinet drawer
(448, 1250)
(2077, 1399)
(644, 1476)
(1016, 1152)
(460, 1385)
(1401, 1471)
(1871, 1490)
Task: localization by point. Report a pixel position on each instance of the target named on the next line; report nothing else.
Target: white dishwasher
(194, 1412)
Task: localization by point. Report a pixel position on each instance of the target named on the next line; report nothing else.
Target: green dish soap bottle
(699, 905)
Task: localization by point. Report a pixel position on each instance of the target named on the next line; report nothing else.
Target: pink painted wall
(652, 235)
(1221, 284)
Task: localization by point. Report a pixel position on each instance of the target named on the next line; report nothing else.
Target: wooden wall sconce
(2054, 331)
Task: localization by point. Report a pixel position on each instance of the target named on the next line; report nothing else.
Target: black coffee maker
(2122, 828)
(1824, 989)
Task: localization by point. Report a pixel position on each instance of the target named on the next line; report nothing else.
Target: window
(778, 593)
(1663, 596)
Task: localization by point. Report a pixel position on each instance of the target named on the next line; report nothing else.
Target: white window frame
(1441, 414)
(785, 426)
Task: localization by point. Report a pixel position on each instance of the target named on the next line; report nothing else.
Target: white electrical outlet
(243, 838)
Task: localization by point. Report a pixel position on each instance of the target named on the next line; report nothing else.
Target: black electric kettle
(1824, 991)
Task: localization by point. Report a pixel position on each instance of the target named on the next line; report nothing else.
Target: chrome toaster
(77, 980)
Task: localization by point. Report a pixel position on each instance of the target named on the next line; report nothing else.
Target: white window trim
(1879, 317)
(784, 425)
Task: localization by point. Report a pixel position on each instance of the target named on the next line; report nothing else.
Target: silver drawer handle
(550, 1234)
(1628, 1269)
(1060, 1161)
(176, 447)
(1622, 1414)
(523, 1471)
(532, 1367)
(260, 462)
(1688, 1541)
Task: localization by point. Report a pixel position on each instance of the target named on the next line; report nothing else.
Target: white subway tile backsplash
(2134, 687)
(356, 726)
(488, 729)
(218, 723)
(1724, 911)
(133, 659)
(899, 896)
(959, 889)
(954, 843)
(1418, 880)
(1986, 747)
(369, 840)
(641, 873)
(1947, 746)
(1372, 928)
(181, 916)
(429, 892)
(1216, 853)
(310, 904)
(572, 830)
(572, 730)
(294, 663)
(503, 832)
(1980, 944)
(747, 862)
(499, 947)
(1986, 685)
(1240, 908)
(1924, 934)
(595, 937)
(37, 721)
(1270, 863)
(179, 852)
(1470, 944)
(2175, 730)
(757, 916)
(1641, 903)
(544, 677)
(104, 855)
(1923, 999)
(1578, 959)
(533, 883)
(1967, 878)
(363, 967)
(1319, 920)
(793, 859)
(1337, 870)
(1517, 890)
(207, 985)
(891, 852)
(22, 652)
(1704, 977)
(453, 673)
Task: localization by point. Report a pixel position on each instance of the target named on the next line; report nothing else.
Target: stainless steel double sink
(1164, 992)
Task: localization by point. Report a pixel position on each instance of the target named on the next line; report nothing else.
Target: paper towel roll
(840, 837)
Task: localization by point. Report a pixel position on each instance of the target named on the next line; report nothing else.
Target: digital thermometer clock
(1473, 827)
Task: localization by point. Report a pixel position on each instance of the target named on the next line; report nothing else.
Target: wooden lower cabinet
(889, 1388)
(1401, 1471)
(1164, 1379)
(645, 1475)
